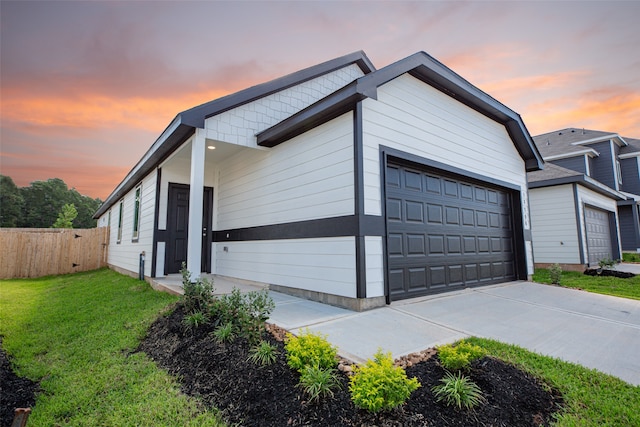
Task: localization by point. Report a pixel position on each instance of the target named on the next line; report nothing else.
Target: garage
(446, 232)
(598, 229)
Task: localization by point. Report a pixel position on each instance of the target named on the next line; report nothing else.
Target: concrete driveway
(595, 331)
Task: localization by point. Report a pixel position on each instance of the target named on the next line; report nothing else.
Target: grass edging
(606, 285)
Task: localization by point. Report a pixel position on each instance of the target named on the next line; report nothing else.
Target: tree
(42, 202)
(11, 202)
(66, 216)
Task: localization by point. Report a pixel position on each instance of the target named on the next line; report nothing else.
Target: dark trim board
(341, 226)
(156, 217)
(576, 201)
(358, 179)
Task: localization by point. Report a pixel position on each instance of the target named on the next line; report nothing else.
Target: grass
(75, 334)
(591, 397)
(630, 257)
(626, 288)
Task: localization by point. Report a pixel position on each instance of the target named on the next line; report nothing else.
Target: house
(341, 183)
(584, 204)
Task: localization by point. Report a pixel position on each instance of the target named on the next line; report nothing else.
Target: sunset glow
(87, 87)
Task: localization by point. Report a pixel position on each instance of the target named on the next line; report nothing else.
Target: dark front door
(178, 228)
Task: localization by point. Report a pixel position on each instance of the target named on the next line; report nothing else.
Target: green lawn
(630, 257)
(626, 288)
(75, 334)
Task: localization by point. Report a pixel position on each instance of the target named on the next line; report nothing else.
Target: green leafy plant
(310, 349)
(198, 294)
(607, 263)
(263, 354)
(248, 312)
(555, 273)
(379, 385)
(460, 356)
(458, 390)
(195, 320)
(224, 333)
(318, 382)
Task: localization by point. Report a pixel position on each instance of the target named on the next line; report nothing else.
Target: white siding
(591, 198)
(413, 117)
(240, 125)
(324, 265)
(375, 266)
(553, 225)
(307, 177)
(126, 253)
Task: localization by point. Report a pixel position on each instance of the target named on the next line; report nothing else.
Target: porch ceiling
(223, 151)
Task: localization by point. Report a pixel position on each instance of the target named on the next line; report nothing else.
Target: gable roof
(185, 122)
(632, 148)
(425, 68)
(572, 142)
(553, 175)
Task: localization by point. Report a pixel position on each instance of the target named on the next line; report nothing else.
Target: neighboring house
(573, 218)
(605, 222)
(339, 182)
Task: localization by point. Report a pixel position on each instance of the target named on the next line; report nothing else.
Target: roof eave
(578, 179)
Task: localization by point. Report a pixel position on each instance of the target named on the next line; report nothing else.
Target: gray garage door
(598, 234)
(445, 233)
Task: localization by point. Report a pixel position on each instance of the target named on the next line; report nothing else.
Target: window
(121, 209)
(619, 171)
(136, 214)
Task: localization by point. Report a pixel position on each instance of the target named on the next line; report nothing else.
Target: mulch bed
(15, 391)
(608, 272)
(251, 395)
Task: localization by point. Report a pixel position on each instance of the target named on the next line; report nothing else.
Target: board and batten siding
(126, 254)
(413, 117)
(241, 124)
(323, 265)
(554, 226)
(307, 177)
(597, 200)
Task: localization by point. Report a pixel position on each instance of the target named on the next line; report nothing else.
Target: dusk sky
(87, 87)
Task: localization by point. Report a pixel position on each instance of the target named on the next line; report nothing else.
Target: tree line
(43, 204)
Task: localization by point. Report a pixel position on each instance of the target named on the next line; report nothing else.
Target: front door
(178, 228)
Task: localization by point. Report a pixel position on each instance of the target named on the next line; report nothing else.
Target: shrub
(555, 273)
(309, 349)
(247, 312)
(263, 354)
(607, 263)
(379, 385)
(458, 390)
(460, 356)
(318, 382)
(198, 295)
(224, 333)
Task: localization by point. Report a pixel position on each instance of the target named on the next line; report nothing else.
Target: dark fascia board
(582, 180)
(186, 121)
(427, 69)
(196, 116)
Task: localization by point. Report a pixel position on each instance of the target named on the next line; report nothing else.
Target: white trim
(587, 152)
(629, 155)
(587, 167)
(603, 138)
(614, 166)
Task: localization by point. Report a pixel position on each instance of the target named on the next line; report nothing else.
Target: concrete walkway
(596, 331)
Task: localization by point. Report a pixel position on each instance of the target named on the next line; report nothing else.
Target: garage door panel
(599, 244)
(446, 233)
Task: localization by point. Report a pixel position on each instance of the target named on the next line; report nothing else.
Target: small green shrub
(224, 333)
(607, 263)
(248, 312)
(458, 390)
(198, 295)
(195, 320)
(555, 273)
(309, 349)
(379, 385)
(460, 356)
(263, 354)
(318, 382)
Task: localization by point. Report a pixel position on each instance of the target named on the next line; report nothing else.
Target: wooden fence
(35, 252)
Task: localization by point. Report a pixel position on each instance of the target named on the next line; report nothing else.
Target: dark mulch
(15, 391)
(268, 396)
(608, 272)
